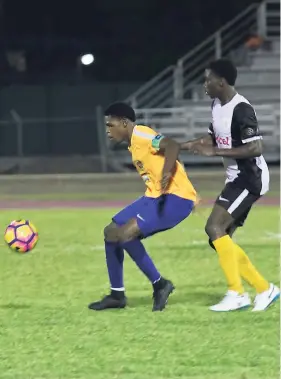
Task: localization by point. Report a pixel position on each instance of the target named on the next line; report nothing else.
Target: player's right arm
(205, 140)
(208, 140)
(190, 145)
(170, 149)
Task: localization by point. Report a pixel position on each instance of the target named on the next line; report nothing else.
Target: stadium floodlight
(87, 59)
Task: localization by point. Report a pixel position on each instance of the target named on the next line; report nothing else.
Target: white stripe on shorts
(238, 201)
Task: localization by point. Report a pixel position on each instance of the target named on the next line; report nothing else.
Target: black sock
(159, 284)
(118, 295)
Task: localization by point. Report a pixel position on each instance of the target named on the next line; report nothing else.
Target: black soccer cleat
(108, 302)
(161, 295)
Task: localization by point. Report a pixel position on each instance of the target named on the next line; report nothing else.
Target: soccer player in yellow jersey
(168, 200)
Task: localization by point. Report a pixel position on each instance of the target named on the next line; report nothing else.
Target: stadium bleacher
(261, 80)
(175, 103)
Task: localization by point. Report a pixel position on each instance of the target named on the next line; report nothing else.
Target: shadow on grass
(193, 298)
(15, 306)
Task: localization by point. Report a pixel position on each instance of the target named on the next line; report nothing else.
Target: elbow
(259, 152)
(257, 149)
(254, 149)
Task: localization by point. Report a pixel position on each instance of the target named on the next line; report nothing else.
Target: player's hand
(206, 150)
(197, 203)
(161, 204)
(165, 181)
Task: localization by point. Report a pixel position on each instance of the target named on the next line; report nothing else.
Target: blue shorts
(145, 211)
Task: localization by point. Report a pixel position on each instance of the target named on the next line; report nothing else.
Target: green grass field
(47, 331)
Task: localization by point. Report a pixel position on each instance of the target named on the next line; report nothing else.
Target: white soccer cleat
(265, 299)
(232, 301)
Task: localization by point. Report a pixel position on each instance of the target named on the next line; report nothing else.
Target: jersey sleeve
(212, 133)
(146, 138)
(211, 129)
(246, 120)
(155, 142)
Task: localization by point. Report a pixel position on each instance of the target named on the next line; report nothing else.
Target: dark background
(131, 40)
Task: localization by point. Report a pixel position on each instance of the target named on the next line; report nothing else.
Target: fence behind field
(79, 144)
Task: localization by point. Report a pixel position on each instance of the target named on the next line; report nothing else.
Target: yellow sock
(229, 263)
(248, 271)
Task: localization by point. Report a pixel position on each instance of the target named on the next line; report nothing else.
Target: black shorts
(237, 201)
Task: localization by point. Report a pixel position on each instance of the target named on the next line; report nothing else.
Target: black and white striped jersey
(233, 125)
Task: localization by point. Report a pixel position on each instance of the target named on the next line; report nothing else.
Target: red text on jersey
(223, 141)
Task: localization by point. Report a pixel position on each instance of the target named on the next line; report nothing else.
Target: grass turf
(47, 331)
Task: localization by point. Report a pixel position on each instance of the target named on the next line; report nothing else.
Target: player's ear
(125, 122)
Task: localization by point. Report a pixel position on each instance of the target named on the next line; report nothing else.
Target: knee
(111, 233)
(208, 228)
(115, 233)
(211, 244)
(214, 231)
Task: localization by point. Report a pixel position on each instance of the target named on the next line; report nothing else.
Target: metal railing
(177, 81)
(63, 136)
(184, 124)
(190, 68)
(269, 19)
(80, 143)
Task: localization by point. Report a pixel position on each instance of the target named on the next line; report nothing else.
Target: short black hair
(121, 110)
(224, 68)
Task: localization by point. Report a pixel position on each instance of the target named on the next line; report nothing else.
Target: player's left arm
(170, 149)
(250, 150)
(248, 132)
(245, 118)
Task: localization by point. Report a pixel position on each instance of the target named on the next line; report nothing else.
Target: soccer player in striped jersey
(234, 135)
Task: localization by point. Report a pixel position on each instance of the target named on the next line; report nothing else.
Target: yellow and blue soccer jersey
(149, 163)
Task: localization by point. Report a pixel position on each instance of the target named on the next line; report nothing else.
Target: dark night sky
(130, 39)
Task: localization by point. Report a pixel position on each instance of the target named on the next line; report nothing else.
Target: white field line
(275, 236)
(204, 242)
(196, 242)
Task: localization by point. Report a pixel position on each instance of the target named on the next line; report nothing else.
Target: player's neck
(130, 128)
(227, 96)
